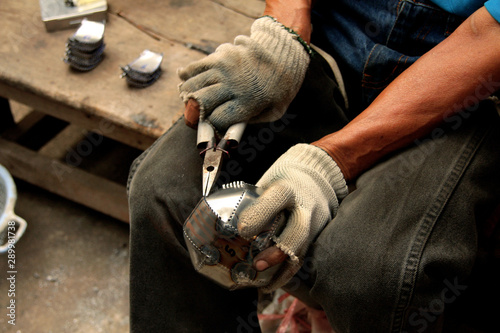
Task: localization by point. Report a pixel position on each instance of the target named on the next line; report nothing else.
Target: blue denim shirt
(375, 41)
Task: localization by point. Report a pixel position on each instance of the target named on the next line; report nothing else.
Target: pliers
(215, 152)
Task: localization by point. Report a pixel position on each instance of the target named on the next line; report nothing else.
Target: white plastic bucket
(8, 219)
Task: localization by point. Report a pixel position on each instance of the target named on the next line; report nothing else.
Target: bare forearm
(294, 14)
(440, 83)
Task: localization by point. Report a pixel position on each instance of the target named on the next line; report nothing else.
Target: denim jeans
(403, 242)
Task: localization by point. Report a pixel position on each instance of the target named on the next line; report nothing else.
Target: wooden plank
(202, 23)
(58, 147)
(91, 152)
(42, 132)
(78, 116)
(95, 192)
(23, 126)
(250, 8)
(32, 72)
(19, 111)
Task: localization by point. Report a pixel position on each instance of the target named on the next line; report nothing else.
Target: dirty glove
(254, 79)
(306, 182)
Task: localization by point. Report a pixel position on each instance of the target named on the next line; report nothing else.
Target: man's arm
(433, 88)
(293, 14)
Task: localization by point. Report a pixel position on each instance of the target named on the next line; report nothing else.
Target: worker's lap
(410, 223)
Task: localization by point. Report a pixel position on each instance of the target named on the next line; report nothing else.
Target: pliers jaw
(215, 150)
(211, 168)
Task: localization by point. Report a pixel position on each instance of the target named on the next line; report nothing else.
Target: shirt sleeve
(462, 8)
(493, 7)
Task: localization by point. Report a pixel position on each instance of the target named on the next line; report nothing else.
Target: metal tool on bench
(143, 71)
(68, 14)
(211, 231)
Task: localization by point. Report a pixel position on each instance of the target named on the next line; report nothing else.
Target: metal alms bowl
(8, 219)
(217, 250)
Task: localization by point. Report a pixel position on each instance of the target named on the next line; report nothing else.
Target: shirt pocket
(417, 28)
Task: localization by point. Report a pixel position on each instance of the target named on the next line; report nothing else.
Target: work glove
(307, 183)
(252, 80)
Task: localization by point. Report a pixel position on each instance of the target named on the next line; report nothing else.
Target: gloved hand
(254, 79)
(306, 182)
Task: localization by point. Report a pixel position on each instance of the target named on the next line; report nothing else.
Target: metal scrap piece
(143, 71)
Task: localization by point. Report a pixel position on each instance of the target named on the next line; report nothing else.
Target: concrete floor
(72, 268)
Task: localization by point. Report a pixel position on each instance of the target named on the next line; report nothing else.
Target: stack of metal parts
(143, 71)
(85, 49)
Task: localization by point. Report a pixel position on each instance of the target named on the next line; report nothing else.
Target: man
(418, 140)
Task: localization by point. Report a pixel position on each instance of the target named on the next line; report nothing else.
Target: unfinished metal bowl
(215, 246)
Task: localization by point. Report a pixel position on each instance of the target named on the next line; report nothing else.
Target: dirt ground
(72, 268)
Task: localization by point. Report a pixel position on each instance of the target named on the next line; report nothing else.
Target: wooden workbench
(32, 72)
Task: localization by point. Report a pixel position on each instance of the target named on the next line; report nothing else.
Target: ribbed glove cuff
(274, 29)
(317, 159)
(282, 42)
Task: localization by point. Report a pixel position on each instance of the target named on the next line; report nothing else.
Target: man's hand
(252, 80)
(307, 183)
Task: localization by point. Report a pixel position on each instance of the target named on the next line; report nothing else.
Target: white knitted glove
(254, 79)
(306, 182)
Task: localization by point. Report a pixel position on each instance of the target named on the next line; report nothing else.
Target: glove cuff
(317, 159)
(282, 41)
(265, 22)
